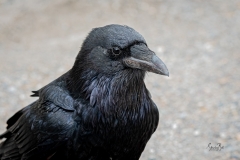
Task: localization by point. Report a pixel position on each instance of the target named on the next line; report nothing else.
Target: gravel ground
(199, 40)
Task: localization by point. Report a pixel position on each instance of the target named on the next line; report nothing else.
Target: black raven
(99, 110)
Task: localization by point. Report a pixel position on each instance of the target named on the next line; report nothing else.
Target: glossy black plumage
(98, 110)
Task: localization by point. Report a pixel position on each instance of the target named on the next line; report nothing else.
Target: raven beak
(145, 59)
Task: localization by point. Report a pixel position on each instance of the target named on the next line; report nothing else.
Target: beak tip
(166, 73)
(160, 66)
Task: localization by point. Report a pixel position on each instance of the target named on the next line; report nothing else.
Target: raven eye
(116, 51)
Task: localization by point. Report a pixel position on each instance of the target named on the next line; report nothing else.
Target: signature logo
(217, 147)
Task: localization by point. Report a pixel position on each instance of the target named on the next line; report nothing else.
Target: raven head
(113, 48)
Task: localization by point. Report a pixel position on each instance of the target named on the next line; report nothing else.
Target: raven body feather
(98, 110)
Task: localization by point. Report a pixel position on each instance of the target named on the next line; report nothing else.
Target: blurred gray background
(199, 40)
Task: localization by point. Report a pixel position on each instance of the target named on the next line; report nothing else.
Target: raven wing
(38, 130)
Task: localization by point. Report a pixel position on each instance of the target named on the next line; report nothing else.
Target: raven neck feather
(125, 89)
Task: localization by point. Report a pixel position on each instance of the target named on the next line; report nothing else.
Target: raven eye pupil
(116, 51)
